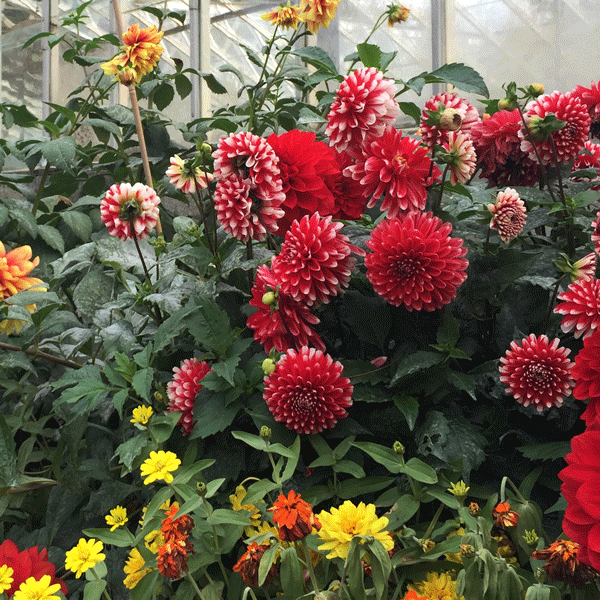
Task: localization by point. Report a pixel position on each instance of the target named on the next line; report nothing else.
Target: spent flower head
(85, 555)
(396, 13)
(159, 467)
(285, 16)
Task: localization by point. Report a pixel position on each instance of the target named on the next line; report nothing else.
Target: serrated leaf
(214, 85)
(210, 327)
(142, 382)
(52, 237)
(91, 292)
(317, 57)
(183, 86)
(163, 96)
(60, 152)
(370, 55)
(548, 451)
(128, 451)
(415, 362)
(25, 220)
(412, 110)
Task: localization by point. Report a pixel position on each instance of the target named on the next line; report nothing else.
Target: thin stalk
(438, 512)
(208, 509)
(553, 300)
(38, 353)
(275, 473)
(569, 229)
(200, 206)
(194, 585)
(106, 594)
(139, 251)
(437, 205)
(311, 571)
(486, 246)
(38, 196)
(380, 21)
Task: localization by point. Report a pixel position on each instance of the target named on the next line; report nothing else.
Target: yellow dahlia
(340, 525)
(284, 15)
(437, 586)
(318, 13)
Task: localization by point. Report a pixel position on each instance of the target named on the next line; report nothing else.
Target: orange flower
(173, 554)
(249, 562)
(294, 517)
(563, 565)
(412, 595)
(318, 13)
(284, 15)
(178, 528)
(504, 517)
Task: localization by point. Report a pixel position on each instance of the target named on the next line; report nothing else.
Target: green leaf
(146, 587)
(370, 55)
(214, 85)
(119, 537)
(16, 360)
(402, 511)
(412, 110)
(457, 74)
(93, 590)
(91, 292)
(92, 389)
(409, 407)
(415, 362)
(548, 451)
(52, 237)
(226, 369)
(222, 516)
(8, 456)
(142, 382)
(266, 562)
(60, 152)
(128, 451)
(317, 57)
(258, 490)
(104, 125)
(351, 488)
(354, 570)
(213, 414)
(292, 462)
(25, 220)
(183, 86)
(381, 567)
(381, 454)
(119, 400)
(350, 467)
(420, 471)
(163, 96)
(290, 571)
(79, 223)
(161, 426)
(210, 327)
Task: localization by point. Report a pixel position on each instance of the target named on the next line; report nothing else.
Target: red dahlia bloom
(537, 372)
(463, 159)
(596, 233)
(395, 167)
(587, 368)
(581, 305)
(28, 563)
(588, 158)
(432, 134)
(415, 262)
(590, 98)
(350, 203)
(581, 482)
(183, 388)
(508, 214)
(314, 262)
(307, 392)
(294, 517)
(130, 209)
(499, 153)
(305, 166)
(248, 564)
(570, 139)
(281, 323)
(364, 106)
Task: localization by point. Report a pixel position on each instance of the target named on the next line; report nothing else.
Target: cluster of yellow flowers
(315, 13)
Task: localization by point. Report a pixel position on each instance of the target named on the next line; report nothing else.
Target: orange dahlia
(318, 13)
(563, 565)
(294, 517)
(285, 15)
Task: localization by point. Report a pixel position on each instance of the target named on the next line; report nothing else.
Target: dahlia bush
(329, 344)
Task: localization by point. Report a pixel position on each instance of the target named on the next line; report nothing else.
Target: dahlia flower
(590, 98)
(307, 392)
(185, 177)
(129, 210)
(314, 263)
(585, 268)
(570, 139)
(364, 107)
(37, 589)
(562, 563)
(537, 372)
(84, 556)
(415, 262)
(433, 134)
(294, 517)
(141, 414)
(306, 167)
(596, 233)
(396, 13)
(462, 159)
(508, 214)
(581, 481)
(581, 307)
(587, 159)
(285, 16)
(340, 525)
(117, 517)
(436, 586)
(183, 389)
(248, 564)
(396, 167)
(281, 322)
(135, 569)
(350, 202)
(317, 13)
(586, 371)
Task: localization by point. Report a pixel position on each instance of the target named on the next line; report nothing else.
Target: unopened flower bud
(268, 298)
(201, 488)
(450, 120)
(531, 538)
(427, 545)
(474, 509)
(506, 104)
(535, 89)
(467, 550)
(268, 366)
(535, 127)
(159, 397)
(265, 433)
(459, 490)
(541, 575)
(126, 76)
(206, 150)
(398, 448)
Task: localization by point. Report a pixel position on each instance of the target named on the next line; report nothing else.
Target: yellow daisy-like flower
(154, 540)
(117, 517)
(159, 467)
(33, 589)
(285, 16)
(134, 569)
(141, 414)
(318, 13)
(437, 586)
(236, 504)
(339, 526)
(6, 578)
(86, 555)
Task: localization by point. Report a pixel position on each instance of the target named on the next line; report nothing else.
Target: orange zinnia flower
(249, 562)
(294, 517)
(318, 13)
(563, 565)
(172, 555)
(504, 517)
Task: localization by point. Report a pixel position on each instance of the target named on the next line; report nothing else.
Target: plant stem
(106, 594)
(194, 585)
(200, 206)
(553, 300)
(438, 512)
(139, 251)
(35, 353)
(208, 509)
(38, 196)
(569, 228)
(275, 473)
(311, 571)
(437, 205)
(380, 21)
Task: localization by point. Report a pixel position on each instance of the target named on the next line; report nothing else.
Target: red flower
(173, 554)
(562, 563)
(587, 159)
(503, 516)
(247, 565)
(508, 214)
(586, 371)
(350, 202)
(364, 106)
(294, 517)
(499, 153)
(314, 262)
(581, 482)
(537, 372)
(432, 134)
(415, 262)
(581, 305)
(462, 157)
(570, 139)
(183, 389)
(307, 391)
(305, 166)
(590, 98)
(280, 322)
(596, 233)
(395, 167)
(28, 563)
(127, 209)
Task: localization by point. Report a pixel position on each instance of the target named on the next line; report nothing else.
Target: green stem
(308, 562)
(442, 184)
(518, 494)
(275, 472)
(553, 300)
(38, 196)
(569, 228)
(208, 509)
(200, 206)
(38, 353)
(380, 21)
(194, 585)
(139, 251)
(106, 594)
(486, 246)
(253, 109)
(438, 512)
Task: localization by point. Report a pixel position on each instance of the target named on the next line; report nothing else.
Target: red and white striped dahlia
(129, 210)
(537, 372)
(363, 107)
(581, 307)
(307, 392)
(415, 262)
(463, 159)
(508, 214)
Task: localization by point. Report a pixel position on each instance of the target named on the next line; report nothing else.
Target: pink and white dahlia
(363, 107)
(415, 262)
(183, 389)
(245, 211)
(508, 214)
(314, 263)
(433, 134)
(590, 98)
(185, 177)
(537, 372)
(580, 303)
(129, 210)
(307, 392)
(280, 322)
(462, 159)
(396, 167)
(499, 153)
(570, 139)
(585, 268)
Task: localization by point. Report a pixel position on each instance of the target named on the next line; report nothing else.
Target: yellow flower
(86, 555)
(154, 540)
(134, 569)
(339, 526)
(34, 589)
(436, 587)
(318, 13)
(6, 578)
(141, 414)
(455, 556)
(117, 517)
(236, 504)
(459, 490)
(159, 466)
(284, 15)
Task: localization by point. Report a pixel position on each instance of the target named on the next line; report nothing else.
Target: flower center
(304, 399)
(406, 267)
(130, 210)
(399, 162)
(539, 374)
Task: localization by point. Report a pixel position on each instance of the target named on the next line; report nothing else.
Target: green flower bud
(201, 488)
(268, 366)
(506, 104)
(265, 433)
(398, 448)
(268, 298)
